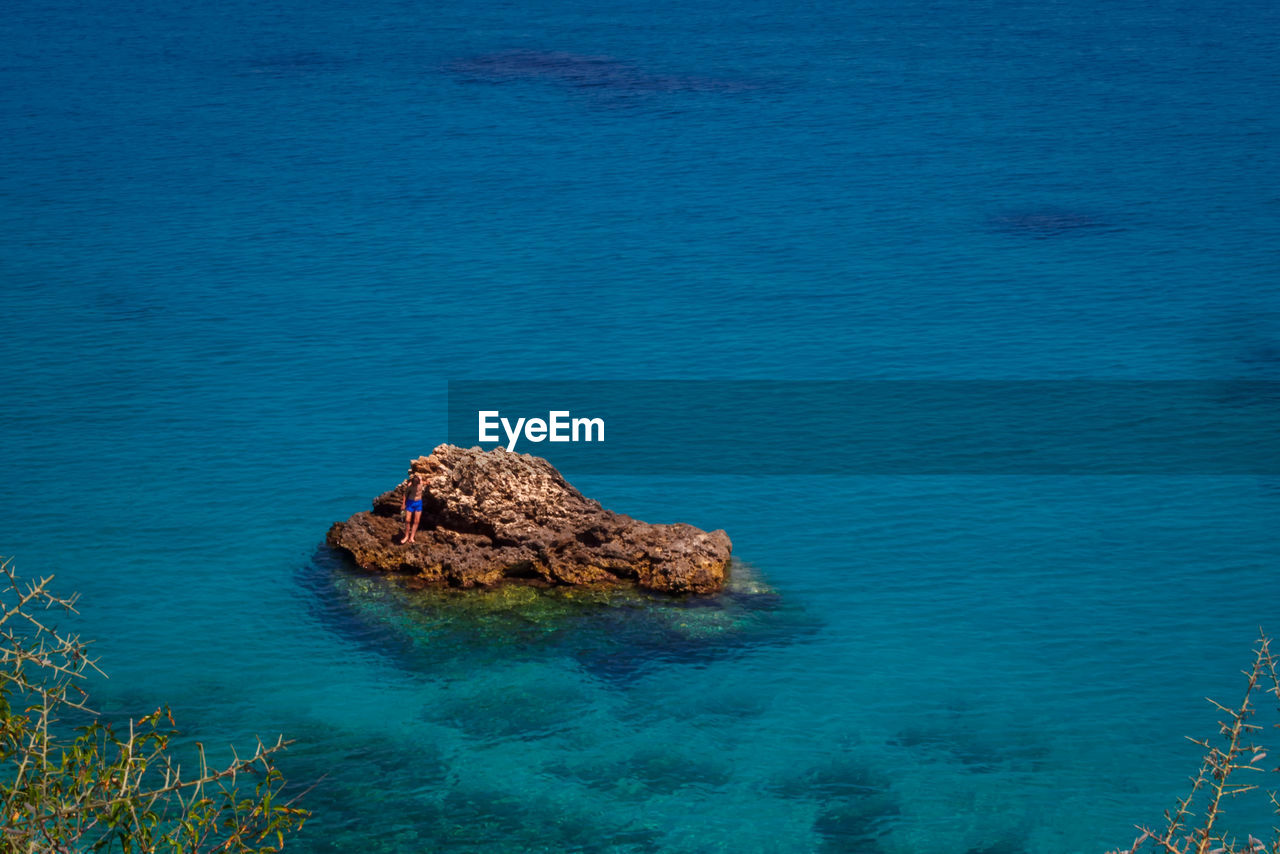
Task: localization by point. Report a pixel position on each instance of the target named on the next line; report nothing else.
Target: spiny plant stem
(1215, 776)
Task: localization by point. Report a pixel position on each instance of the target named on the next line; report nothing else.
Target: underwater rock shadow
(1262, 357)
(1004, 846)
(325, 758)
(1043, 223)
(616, 636)
(523, 712)
(651, 772)
(580, 71)
(974, 753)
(702, 632)
(386, 805)
(318, 579)
(501, 821)
(855, 804)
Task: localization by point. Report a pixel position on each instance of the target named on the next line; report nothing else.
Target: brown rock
(496, 515)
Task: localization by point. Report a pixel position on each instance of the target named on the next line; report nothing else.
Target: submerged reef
(1046, 222)
(615, 635)
(856, 804)
(490, 517)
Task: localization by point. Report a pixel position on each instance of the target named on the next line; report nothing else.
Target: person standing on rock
(411, 504)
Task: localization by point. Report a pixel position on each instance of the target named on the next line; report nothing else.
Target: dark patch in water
(617, 636)
(321, 580)
(581, 71)
(474, 819)
(1043, 223)
(1264, 354)
(975, 753)
(345, 772)
(721, 710)
(647, 773)
(854, 826)
(413, 817)
(423, 805)
(629, 643)
(1004, 846)
(842, 777)
(855, 804)
(1242, 341)
(525, 713)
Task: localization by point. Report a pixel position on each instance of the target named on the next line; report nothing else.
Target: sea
(247, 246)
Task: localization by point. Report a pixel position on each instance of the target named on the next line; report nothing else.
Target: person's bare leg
(412, 528)
(404, 538)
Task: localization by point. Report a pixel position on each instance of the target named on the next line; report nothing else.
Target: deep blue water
(246, 245)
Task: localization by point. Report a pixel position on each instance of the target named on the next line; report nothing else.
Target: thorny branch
(1214, 783)
(103, 792)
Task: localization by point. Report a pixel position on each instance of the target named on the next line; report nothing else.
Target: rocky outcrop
(492, 516)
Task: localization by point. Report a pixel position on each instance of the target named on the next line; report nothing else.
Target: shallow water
(246, 247)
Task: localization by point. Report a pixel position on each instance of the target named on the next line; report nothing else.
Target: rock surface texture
(490, 516)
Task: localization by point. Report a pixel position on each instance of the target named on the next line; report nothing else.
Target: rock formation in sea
(493, 516)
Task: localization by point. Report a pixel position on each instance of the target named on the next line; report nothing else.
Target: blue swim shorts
(413, 506)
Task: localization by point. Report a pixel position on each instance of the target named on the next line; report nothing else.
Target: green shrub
(89, 788)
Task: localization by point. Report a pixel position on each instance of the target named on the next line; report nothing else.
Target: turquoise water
(247, 246)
